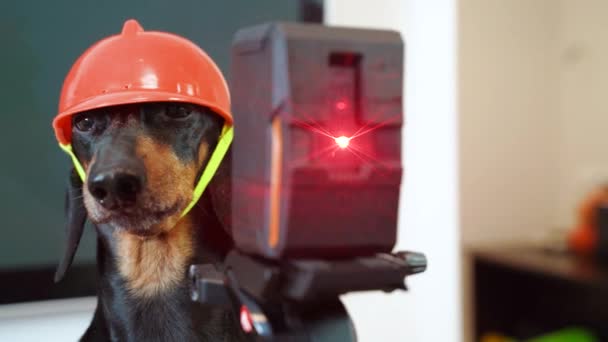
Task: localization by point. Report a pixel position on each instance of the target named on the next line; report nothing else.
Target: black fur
(170, 316)
(77, 216)
(110, 128)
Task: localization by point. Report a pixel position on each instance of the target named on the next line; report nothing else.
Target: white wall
(508, 123)
(583, 102)
(430, 311)
(532, 114)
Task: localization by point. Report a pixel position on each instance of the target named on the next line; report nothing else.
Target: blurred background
(503, 146)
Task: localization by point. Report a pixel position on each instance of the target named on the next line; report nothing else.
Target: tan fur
(85, 165)
(89, 202)
(203, 151)
(169, 181)
(155, 265)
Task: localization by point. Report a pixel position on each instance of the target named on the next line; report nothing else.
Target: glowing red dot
(341, 105)
(342, 141)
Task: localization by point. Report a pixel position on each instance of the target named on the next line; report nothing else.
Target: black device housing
(294, 88)
(298, 300)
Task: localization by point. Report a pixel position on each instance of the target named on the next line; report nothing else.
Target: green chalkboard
(39, 40)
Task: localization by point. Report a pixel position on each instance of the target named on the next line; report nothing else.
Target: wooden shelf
(524, 292)
(551, 264)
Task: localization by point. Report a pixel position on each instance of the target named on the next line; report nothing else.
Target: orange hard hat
(138, 66)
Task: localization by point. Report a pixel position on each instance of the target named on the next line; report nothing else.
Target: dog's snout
(115, 189)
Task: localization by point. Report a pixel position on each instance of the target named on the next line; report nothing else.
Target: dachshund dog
(142, 162)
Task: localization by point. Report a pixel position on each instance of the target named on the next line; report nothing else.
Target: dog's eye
(84, 123)
(178, 111)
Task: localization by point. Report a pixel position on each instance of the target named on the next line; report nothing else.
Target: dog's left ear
(76, 215)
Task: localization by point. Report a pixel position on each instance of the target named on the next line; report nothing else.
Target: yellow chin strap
(214, 162)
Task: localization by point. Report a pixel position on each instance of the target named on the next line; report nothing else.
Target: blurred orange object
(583, 239)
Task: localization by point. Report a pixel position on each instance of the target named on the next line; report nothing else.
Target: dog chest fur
(155, 265)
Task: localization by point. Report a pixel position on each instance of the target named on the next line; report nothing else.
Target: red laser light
(341, 105)
(342, 141)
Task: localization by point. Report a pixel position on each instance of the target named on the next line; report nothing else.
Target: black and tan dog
(142, 162)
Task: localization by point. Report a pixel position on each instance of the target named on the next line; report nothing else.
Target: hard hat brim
(62, 124)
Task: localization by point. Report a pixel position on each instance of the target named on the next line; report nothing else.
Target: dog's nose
(115, 189)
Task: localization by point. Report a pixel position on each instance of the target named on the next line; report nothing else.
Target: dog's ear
(76, 215)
